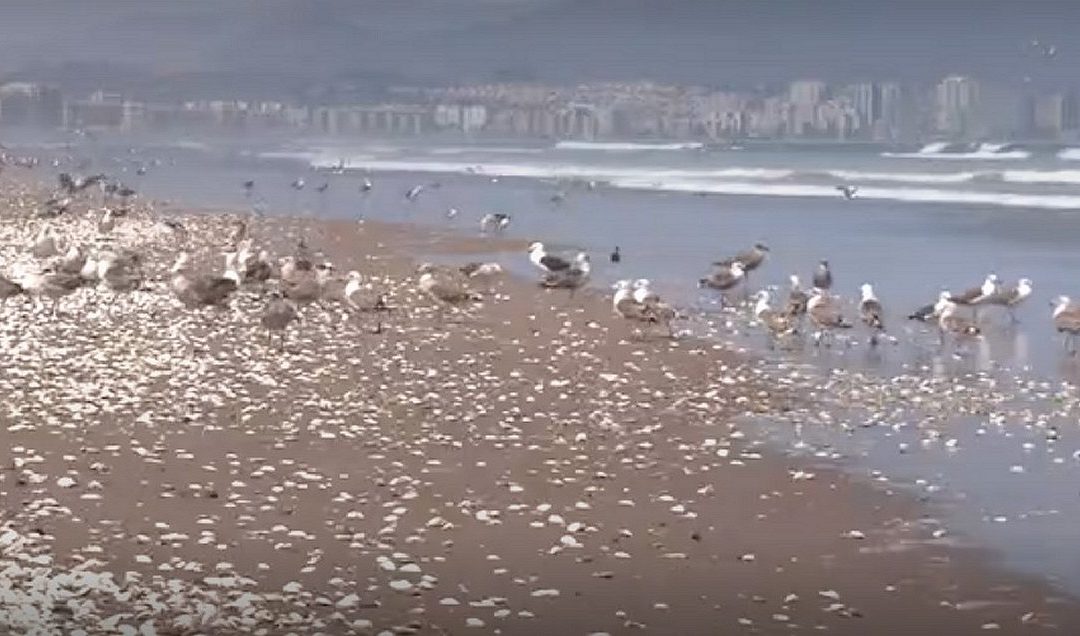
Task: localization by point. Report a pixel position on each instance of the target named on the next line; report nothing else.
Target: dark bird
(826, 314)
(848, 191)
(724, 278)
(797, 299)
(277, 317)
(366, 185)
(1011, 297)
(779, 323)
(823, 276)
(324, 187)
(307, 287)
(616, 256)
(573, 277)
(259, 269)
(249, 185)
(496, 221)
(951, 323)
(9, 289)
(414, 192)
(199, 290)
(976, 296)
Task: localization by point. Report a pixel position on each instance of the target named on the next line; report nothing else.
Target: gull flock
(343, 514)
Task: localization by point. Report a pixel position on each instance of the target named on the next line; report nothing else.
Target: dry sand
(529, 467)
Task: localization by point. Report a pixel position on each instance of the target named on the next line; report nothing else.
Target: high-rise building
(957, 105)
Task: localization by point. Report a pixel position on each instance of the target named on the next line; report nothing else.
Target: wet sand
(530, 467)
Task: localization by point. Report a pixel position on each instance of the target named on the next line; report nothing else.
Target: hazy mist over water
(285, 44)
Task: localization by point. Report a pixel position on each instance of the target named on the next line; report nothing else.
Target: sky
(710, 42)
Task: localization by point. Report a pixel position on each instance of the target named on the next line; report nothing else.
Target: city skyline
(957, 107)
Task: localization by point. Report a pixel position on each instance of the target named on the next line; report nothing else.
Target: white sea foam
(626, 146)
(1065, 177)
(1070, 154)
(913, 195)
(978, 155)
(904, 177)
(464, 150)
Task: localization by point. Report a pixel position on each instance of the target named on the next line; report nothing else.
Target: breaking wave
(613, 146)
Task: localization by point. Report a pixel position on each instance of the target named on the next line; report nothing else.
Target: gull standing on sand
(548, 263)
(1067, 321)
(44, 245)
(52, 284)
(976, 296)
(576, 275)
(871, 312)
(196, 290)
(362, 298)
(1010, 297)
(825, 313)
(797, 299)
(724, 277)
(779, 323)
(750, 259)
(446, 289)
(277, 316)
(307, 287)
(951, 323)
(650, 310)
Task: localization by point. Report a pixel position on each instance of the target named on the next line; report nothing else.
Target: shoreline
(459, 441)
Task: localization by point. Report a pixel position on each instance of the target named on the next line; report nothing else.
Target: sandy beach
(528, 466)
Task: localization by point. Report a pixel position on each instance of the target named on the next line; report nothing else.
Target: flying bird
(848, 191)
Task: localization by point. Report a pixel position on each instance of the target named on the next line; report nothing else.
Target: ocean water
(926, 219)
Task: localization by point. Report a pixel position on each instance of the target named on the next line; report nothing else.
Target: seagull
(980, 295)
(752, 258)
(549, 263)
(259, 269)
(414, 192)
(9, 289)
(724, 278)
(477, 269)
(203, 290)
(822, 276)
(797, 299)
(307, 287)
(871, 312)
(497, 222)
(1010, 297)
(120, 272)
(616, 256)
(50, 283)
(277, 316)
(652, 310)
(1067, 321)
(949, 322)
(366, 185)
(71, 262)
(107, 222)
(249, 185)
(298, 184)
(573, 277)
(779, 323)
(451, 213)
(826, 315)
(324, 187)
(231, 272)
(848, 191)
(44, 245)
(447, 291)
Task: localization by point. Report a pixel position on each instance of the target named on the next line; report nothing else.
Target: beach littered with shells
(530, 465)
